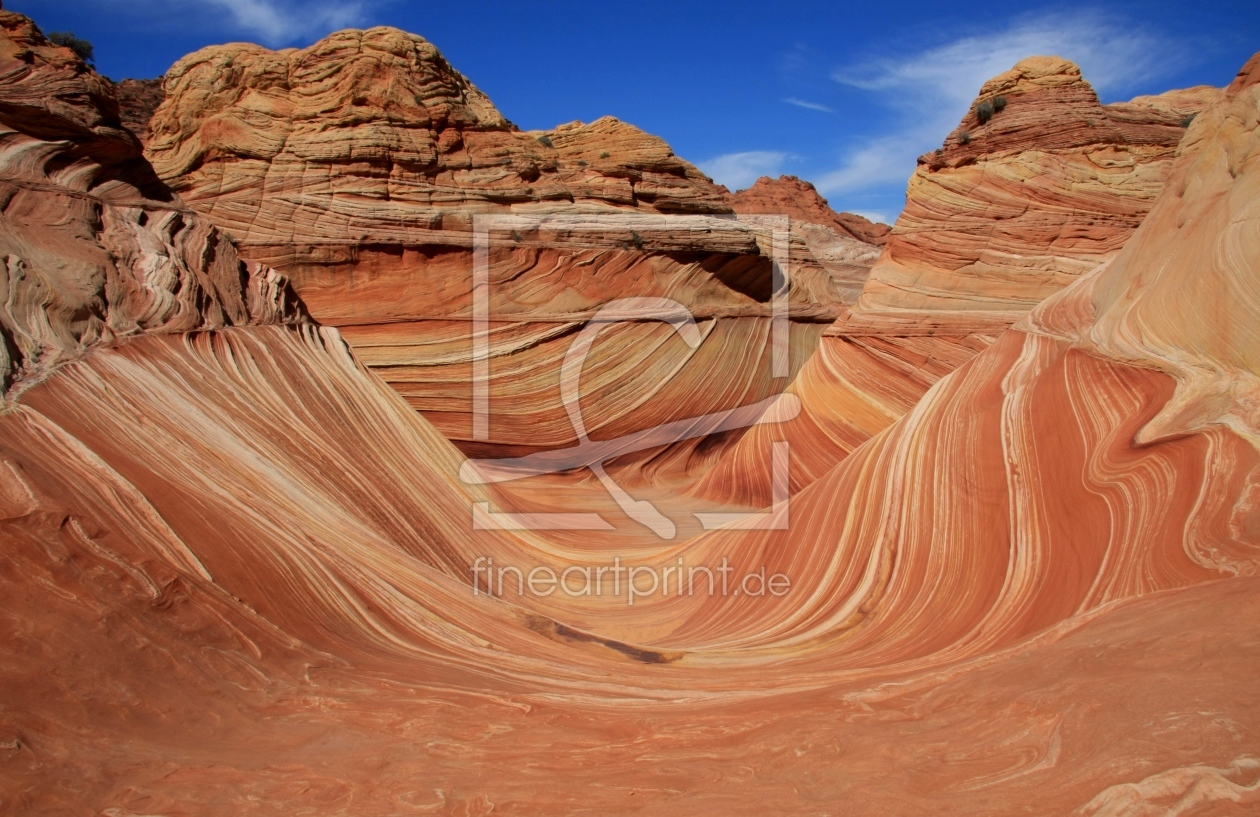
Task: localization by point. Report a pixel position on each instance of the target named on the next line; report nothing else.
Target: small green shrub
(581, 163)
(545, 141)
(1185, 123)
(964, 138)
(999, 104)
(604, 155)
(636, 240)
(984, 111)
(81, 47)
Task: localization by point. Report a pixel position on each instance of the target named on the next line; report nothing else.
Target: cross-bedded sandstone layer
(236, 568)
(798, 199)
(1013, 208)
(96, 249)
(1010, 210)
(357, 167)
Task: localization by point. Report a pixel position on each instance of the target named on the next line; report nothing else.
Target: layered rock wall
(237, 566)
(96, 249)
(1012, 209)
(1008, 212)
(357, 166)
(798, 199)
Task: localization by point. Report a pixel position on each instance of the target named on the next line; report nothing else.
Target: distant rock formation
(138, 100)
(1010, 211)
(788, 195)
(372, 138)
(1013, 208)
(240, 571)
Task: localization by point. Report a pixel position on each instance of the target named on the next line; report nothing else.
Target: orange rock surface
(1050, 187)
(356, 167)
(96, 249)
(371, 139)
(797, 198)
(1044, 191)
(238, 568)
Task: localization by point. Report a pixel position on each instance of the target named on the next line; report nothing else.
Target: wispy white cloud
(740, 170)
(878, 216)
(282, 22)
(930, 90)
(889, 158)
(1112, 54)
(813, 106)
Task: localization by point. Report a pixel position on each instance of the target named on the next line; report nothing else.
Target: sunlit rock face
(357, 166)
(237, 574)
(1009, 211)
(96, 249)
(797, 198)
(369, 143)
(838, 245)
(1012, 209)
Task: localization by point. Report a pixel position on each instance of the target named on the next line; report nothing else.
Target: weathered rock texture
(1007, 213)
(237, 576)
(138, 100)
(357, 166)
(370, 138)
(1051, 186)
(237, 572)
(837, 245)
(798, 199)
(95, 248)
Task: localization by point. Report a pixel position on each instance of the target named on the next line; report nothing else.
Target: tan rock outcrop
(372, 138)
(238, 568)
(1007, 213)
(237, 573)
(1181, 296)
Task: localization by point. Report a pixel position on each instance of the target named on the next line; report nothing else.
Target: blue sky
(846, 95)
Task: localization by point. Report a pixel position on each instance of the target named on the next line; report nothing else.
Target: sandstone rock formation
(96, 249)
(356, 167)
(371, 138)
(237, 567)
(1007, 213)
(138, 100)
(797, 198)
(837, 245)
(1044, 191)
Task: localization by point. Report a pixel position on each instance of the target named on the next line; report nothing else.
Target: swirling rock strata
(357, 167)
(1014, 595)
(95, 248)
(1012, 209)
(237, 571)
(237, 564)
(371, 138)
